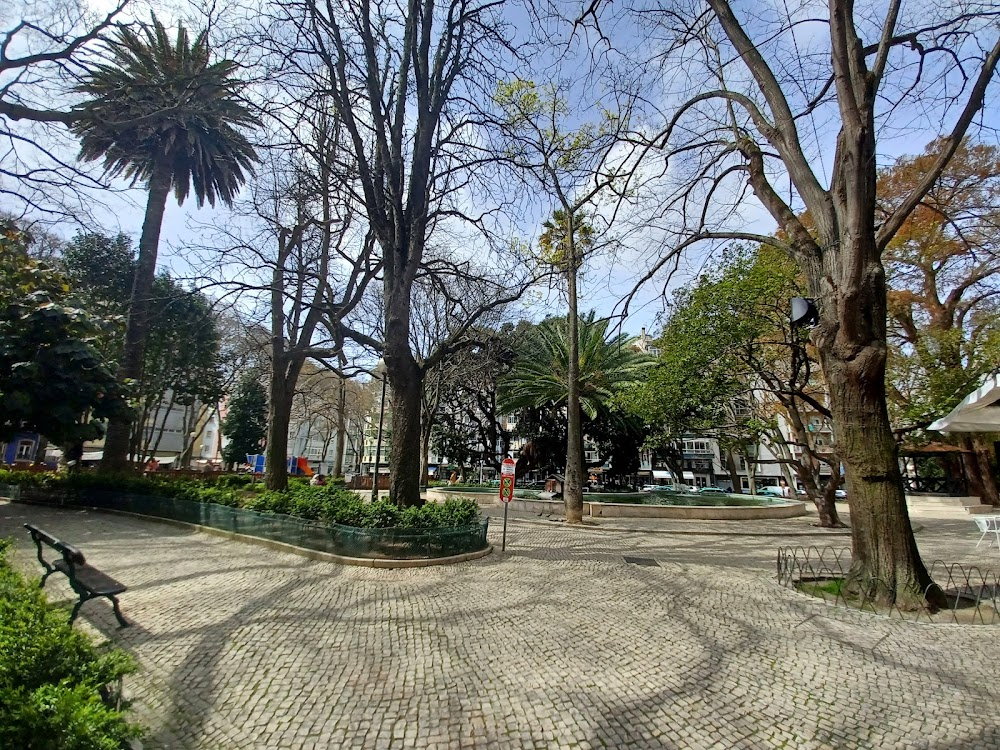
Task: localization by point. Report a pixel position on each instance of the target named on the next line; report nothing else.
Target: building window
(25, 450)
(696, 446)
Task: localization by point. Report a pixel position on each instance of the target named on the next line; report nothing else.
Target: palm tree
(541, 374)
(161, 112)
(567, 238)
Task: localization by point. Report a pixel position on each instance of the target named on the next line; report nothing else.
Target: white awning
(689, 475)
(660, 474)
(978, 412)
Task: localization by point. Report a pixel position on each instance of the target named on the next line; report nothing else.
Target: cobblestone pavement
(557, 643)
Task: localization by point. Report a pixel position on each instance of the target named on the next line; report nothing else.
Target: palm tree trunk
(573, 482)
(117, 440)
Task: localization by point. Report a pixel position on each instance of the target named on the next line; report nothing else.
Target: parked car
(653, 488)
(771, 491)
(712, 491)
(841, 494)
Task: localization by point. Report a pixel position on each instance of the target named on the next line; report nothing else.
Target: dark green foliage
(246, 421)
(182, 350)
(52, 679)
(53, 378)
(608, 363)
(536, 389)
(166, 102)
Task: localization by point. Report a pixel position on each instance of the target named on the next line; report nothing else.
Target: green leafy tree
(245, 423)
(181, 365)
(163, 113)
(943, 273)
(53, 378)
(552, 143)
(732, 367)
(540, 377)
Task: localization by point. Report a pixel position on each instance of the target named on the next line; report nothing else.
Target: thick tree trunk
(573, 482)
(734, 476)
(987, 479)
(404, 452)
(886, 563)
(338, 459)
(279, 412)
(116, 442)
(69, 461)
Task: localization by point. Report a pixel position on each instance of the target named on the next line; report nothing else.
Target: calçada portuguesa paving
(557, 643)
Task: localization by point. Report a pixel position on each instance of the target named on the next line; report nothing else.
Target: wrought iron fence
(350, 541)
(954, 486)
(972, 593)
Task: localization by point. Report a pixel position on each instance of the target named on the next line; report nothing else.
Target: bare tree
(770, 93)
(404, 80)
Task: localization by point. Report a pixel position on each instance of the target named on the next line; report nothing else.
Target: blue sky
(606, 279)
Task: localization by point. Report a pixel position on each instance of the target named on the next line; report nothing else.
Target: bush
(56, 688)
(333, 503)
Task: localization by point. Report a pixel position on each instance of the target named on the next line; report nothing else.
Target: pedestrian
(317, 481)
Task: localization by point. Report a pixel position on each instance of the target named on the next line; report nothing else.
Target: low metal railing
(350, 541)
(972, 594)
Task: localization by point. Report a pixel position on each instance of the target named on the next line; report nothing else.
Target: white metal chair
(988, 525)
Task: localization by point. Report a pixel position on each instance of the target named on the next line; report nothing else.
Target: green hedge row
(331, 504)
(57, 691)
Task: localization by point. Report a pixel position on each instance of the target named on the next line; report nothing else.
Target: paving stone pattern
(558, 643)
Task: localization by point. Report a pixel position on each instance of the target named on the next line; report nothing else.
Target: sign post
(506, 493)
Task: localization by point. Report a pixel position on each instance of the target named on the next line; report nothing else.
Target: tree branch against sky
(408, 83)
(44, 49)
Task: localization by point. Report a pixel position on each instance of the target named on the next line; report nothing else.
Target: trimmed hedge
(332, 503)
(57, 691)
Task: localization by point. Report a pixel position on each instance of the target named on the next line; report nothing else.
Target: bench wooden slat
(93, 580)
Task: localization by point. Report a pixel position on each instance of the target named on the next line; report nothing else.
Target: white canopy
(978, 412)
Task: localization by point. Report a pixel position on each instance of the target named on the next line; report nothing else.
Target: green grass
(831, 587)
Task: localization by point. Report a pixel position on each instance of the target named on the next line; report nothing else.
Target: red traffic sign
(507, 467)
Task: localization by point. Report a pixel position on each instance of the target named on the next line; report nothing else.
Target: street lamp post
(378, 442)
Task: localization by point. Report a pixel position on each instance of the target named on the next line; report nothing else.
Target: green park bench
(87, 581)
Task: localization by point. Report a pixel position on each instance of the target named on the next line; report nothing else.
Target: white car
(653, 488)
(771, 491)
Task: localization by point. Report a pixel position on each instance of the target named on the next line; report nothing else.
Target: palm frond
(164, 101)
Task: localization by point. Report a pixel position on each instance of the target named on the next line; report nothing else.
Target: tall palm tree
(567, 238)
(161, 112)
(541, 375)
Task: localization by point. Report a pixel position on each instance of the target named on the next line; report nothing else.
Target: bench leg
(118, 613)
(76, 609)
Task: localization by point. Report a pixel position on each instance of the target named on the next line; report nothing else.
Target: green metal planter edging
(335, 539)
